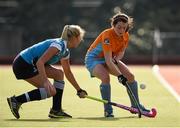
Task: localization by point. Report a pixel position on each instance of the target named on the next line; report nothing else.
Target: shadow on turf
(38, 120)
(106, 119)
(84, 118)
(59, 120)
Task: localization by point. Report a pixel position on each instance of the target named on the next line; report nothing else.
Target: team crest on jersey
(106, 41)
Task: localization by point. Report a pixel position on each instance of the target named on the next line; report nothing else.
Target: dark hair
(121, 17)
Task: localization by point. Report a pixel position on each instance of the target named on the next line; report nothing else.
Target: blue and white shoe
(142, 109)
(106, 114)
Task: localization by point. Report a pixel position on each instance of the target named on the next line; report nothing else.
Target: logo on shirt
(106, 41)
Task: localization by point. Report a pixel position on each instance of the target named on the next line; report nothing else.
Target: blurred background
(155, 38)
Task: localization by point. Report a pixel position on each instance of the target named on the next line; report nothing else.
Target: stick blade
(153, 112)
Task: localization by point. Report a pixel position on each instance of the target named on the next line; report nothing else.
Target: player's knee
(53, 93)
(59, 75)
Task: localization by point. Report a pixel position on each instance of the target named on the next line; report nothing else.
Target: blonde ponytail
(72, 30)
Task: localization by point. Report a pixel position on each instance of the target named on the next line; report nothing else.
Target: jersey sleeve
(106, 42)
(56, 45)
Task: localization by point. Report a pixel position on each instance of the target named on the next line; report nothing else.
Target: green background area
(86, 112)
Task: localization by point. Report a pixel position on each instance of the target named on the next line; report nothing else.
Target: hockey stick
(152, 113)
(134, 99)
(131, 94)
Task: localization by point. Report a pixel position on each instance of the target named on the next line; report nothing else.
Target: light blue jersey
(33, 53)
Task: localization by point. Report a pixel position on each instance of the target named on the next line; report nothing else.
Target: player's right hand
(122, 79)
(81, 93)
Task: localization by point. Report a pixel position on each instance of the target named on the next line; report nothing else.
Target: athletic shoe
(106, 114)
(58, 114)
(142, 109)
(14, 106)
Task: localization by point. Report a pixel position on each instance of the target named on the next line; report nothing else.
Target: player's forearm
(120, 56)
(71, 79)
(113, 68)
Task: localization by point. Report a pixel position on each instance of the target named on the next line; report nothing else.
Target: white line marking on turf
(165, 83)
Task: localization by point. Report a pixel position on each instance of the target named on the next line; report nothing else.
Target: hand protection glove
(81, 93)
(122, 79)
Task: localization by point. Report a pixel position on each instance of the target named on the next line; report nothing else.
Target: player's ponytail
(72, 30)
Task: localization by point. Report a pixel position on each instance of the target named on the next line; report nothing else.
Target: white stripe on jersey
(56, 45)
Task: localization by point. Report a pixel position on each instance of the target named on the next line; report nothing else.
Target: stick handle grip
(96, 99)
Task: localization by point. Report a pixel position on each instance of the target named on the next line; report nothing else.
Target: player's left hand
(81, 93)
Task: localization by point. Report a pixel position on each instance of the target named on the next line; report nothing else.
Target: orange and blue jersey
(107, 41)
